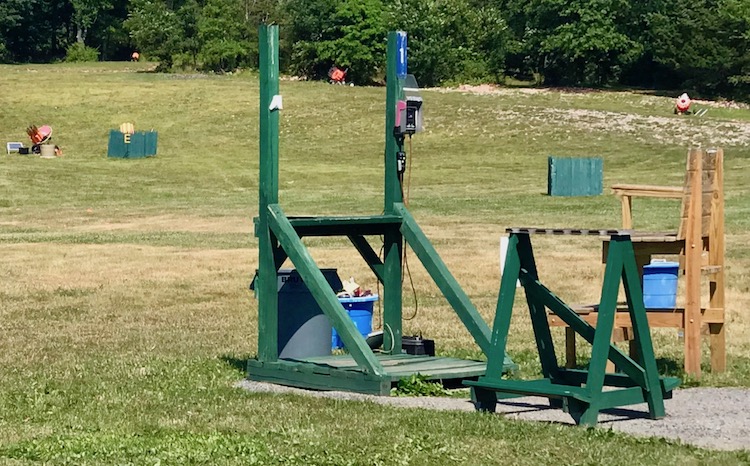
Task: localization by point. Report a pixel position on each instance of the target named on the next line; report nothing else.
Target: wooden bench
(699, 243)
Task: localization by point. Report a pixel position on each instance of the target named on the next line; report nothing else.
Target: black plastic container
(418, 345)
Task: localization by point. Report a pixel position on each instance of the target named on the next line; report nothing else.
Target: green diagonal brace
(368, 254)
(448, 285)
(583, 328)
(537, 312)
(321, 291)
(504, 311)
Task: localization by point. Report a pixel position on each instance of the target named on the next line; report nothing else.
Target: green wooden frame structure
(581, 393)
(280, 237)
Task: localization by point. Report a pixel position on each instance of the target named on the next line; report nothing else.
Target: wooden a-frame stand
(581, 393)
(279, 238)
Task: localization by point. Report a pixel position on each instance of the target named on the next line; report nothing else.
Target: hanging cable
(377, 284)
(405, 260)
(413, 289)
(408, 176)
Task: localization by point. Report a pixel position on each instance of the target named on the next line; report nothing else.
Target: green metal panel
(116, 147)
(570, 176)
(137, 145)
(131, 146)
(151, 139)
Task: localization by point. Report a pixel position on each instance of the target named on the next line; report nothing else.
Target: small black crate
(418, 345)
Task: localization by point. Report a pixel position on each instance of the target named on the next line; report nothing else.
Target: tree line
(699, 45)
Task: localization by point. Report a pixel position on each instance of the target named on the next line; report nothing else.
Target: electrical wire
(377, 284)
(413, 289)
(405, 260)
(408, 176)
(393, 343)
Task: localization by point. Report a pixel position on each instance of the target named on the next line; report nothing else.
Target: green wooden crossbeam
(305, 375)
(580, 392)
(578, 377)
(344, 226)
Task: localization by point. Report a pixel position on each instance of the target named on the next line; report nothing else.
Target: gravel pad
(706, 417)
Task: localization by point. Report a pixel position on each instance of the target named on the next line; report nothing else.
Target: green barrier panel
(570, 176)
(132, 146)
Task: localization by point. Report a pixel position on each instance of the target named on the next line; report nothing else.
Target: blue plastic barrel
(360, 311)
(660, 285)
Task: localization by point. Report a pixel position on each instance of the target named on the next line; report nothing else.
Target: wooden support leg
(483, 399)
(718, 347)
(585, 414)
(693, 252)
(692, 347)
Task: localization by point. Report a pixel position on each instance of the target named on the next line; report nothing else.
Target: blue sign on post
(401, 57)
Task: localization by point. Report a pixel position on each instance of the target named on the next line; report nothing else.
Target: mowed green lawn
(126, 317)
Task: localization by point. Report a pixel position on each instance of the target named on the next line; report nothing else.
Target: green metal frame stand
(581, 393)
(280, 237)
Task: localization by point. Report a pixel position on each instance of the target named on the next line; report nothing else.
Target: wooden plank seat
(699, 245)
(660, 318)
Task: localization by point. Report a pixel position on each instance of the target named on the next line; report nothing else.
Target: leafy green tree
(188, 43)
(739, 79)
(34, 30)
(10, 21)
(701, 44)
(155, 30)
(452, 40)
(108, 33)
(224, 34)
(578, 42)
(85, 14)
(346, 33)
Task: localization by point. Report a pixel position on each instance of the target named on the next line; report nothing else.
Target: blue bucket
(360, 311)
(660, 285)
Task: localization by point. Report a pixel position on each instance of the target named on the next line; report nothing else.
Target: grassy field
(126, 317)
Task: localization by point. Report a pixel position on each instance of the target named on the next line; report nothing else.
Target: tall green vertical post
(393, 144)
(392, 240)
(268, 194)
